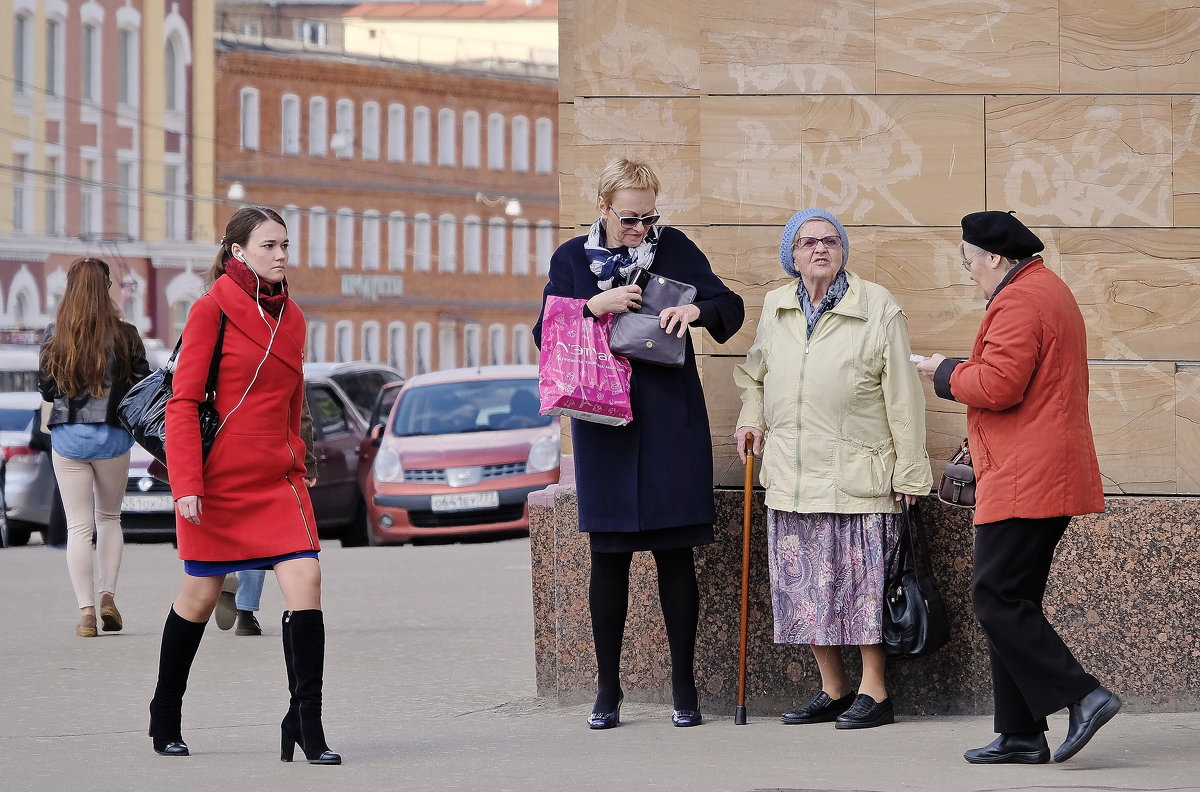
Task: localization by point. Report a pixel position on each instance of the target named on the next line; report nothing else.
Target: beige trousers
(92, 490)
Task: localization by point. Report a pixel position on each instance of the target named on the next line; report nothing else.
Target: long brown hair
(238, 231)
(87, 332)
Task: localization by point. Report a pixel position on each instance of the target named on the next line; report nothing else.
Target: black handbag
(637, 335)
(957, 486)
(914, 616)
(143, 411)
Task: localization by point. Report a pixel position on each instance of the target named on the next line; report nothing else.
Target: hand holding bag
(143, 411)
(914, 617)
(637, 334)
(957, 486)
(577, 373)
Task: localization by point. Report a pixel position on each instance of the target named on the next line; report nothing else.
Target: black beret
(1000, 233)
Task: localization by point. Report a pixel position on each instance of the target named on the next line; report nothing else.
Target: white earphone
(267, 354)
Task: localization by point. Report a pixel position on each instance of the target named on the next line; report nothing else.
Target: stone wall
(1124, 594)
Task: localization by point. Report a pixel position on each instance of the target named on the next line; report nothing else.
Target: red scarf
(241, 274)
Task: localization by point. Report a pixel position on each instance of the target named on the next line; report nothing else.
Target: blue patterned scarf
(837, 290)
(605, 264)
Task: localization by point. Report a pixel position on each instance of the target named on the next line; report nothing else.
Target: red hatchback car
(459, 454)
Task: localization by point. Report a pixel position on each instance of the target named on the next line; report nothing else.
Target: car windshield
(481, 406)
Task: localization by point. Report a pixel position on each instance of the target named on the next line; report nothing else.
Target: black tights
(608, 597)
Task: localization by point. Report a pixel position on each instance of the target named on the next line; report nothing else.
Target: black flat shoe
(686, 717)
(821, 709)
(1012, 749)
(866, 713)
(1085, 717)
(606, 720)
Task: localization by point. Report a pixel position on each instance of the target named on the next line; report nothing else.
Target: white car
(27, 474)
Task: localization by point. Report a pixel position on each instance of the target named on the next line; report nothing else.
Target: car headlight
(387, 465)
(543, 455)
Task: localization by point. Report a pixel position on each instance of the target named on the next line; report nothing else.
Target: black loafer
(606, 720)
(686, 717)
(822, 709)
(1085, 718)
(866, 713)
(1012, 749)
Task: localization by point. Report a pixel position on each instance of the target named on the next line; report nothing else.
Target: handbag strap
(916, 536)
(214, 365)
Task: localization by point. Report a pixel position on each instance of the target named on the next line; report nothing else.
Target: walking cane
(739, 717)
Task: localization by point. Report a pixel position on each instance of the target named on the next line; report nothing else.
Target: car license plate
(466, 501)
(147, 503)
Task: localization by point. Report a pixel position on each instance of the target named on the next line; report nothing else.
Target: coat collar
(854, 303)
(243, 314)
(1016, 273)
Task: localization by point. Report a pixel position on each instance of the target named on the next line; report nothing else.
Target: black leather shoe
(606, 720)
(1012, 749)
(866, 713)
(686, 717)
(821, 709)
(1085, 717)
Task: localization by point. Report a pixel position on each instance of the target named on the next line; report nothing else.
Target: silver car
(28, 477)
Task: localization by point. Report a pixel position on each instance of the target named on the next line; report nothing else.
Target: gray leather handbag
(637, 336)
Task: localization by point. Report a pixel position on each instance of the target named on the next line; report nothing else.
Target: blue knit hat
(793, 227)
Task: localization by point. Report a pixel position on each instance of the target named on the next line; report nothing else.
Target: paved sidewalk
(430, 686)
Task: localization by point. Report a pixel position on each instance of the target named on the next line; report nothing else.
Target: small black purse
(143, 411)
(914, 616)
(636, 335)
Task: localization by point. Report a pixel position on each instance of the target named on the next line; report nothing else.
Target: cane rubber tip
(739, 716)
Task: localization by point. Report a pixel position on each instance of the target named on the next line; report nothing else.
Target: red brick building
(398, 185)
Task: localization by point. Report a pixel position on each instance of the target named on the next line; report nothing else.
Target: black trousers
(1033, 671)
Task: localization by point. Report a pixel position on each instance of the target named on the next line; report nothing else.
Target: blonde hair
(625, 174)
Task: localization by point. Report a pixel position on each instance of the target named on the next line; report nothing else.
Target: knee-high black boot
(304, 655)
(180, 640)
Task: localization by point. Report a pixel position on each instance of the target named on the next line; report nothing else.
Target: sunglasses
(631, 221)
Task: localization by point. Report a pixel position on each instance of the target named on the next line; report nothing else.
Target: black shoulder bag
(914, 617)
(143, 411)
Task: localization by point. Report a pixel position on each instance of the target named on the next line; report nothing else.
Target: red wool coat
(251, 488)
(1026, 390)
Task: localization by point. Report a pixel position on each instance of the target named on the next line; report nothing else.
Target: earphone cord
(270, 343)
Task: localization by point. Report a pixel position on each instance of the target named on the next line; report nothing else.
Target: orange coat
(251, 488)
(1026, 390)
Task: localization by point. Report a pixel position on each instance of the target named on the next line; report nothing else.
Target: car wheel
(19, 533)
(355, 534)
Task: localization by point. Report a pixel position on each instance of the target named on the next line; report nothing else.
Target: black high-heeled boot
(304, 656)
(180, 640)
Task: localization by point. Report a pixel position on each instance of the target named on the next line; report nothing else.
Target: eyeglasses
(967, 261)
(631, 221)
(808, 243)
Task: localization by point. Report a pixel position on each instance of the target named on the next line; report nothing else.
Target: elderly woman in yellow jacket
(834, 406)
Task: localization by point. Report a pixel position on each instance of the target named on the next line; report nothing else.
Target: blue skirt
(214, 568)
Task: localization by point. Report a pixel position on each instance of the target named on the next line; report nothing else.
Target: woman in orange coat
(245, 505)
(1026, 389)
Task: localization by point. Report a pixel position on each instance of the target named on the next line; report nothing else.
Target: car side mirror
(376, 435)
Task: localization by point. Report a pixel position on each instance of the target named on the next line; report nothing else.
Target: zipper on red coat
(299, 504)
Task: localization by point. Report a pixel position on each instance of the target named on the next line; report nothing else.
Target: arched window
(496, 345)
(291, 219)
(318, 236)
(318, 126)
(290, 124)
(370, 244)
(23, 54)
(470, 154)
(344, 253)
(370, 131)
(446, 134)
(545, 246)
(496, 246)
(520, 143)
(520, 344)
(422, 348)
(397, 241)
(370, 341)
(56, 59)
(397, 349)
(91, 63)
(343, 342)
(343, 137)
(447, 247)
(397, 133)
(128, 59)
(422, 243)
(520, 247)
(472, 345)
(420, 118)
(316, 342)
(495, 142)
(543, 156)
(249, 119)
(472, 244)
(447, 354)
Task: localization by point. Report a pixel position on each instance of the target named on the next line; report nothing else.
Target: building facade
(421, 202)
(106, 141)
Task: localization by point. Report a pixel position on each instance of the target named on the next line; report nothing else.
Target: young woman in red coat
(246, 505)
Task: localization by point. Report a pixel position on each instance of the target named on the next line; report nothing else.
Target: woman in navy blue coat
(647, 485)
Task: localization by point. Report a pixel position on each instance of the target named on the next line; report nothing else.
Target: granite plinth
(1124, 594)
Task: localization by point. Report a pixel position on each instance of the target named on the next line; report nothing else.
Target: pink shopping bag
(577, 374)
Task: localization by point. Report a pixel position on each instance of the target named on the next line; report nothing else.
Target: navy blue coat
(656, 471)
